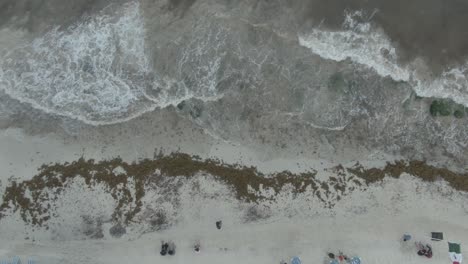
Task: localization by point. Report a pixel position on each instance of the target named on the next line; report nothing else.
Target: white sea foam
(96, 71)
(363, 43)
(358, 42)
(92, 70)
(452, 83)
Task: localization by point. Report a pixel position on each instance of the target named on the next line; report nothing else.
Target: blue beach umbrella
(296, 260)
(15, 260)
(355, 260)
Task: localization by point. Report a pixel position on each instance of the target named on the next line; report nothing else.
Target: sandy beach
(368, 222)
(305, 127)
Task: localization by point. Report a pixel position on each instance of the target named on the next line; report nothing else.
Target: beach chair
(437, 236)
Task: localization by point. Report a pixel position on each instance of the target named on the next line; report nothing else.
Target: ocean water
(368, 45)
(310, 83)
(236, 71)
(96, 70)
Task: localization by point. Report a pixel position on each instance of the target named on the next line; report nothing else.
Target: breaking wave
(96, 71)
(99, 71)
(363, 43)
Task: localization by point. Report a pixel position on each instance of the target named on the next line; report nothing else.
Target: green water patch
(447, 107)
(460, 113)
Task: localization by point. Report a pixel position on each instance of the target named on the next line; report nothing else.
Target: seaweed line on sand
(246, 182)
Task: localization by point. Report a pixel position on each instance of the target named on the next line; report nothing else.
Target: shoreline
(186, 207)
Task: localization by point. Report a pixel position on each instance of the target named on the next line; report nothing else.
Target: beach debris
(117, 230)
(219, 224)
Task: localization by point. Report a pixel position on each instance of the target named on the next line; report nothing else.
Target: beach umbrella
(355, 260)
(296, 260)
(15, 260)
(455, 253)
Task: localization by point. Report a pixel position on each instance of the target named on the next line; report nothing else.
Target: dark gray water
(432, 29)
(304, 76)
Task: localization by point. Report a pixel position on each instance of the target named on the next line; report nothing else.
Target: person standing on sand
(164, 248)
(171, 249)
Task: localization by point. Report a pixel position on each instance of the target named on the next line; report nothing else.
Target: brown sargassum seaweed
(239, 178)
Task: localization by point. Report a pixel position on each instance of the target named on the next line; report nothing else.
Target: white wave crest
(361, 42)
(452, 83)
(91, 71)
(96, 71)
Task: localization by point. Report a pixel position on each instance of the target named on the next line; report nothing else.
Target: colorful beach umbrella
(296, 260)
(355, 260)
(455, 253)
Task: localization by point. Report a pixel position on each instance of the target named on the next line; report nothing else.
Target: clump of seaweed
(57, 177)
(121, 179)
(417, 168)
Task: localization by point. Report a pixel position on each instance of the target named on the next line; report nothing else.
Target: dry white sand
(367, 223)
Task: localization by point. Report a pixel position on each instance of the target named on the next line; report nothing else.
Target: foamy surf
(93, 68)
(452, 83)
(362, 42)
(358, 42)
(96, 71)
